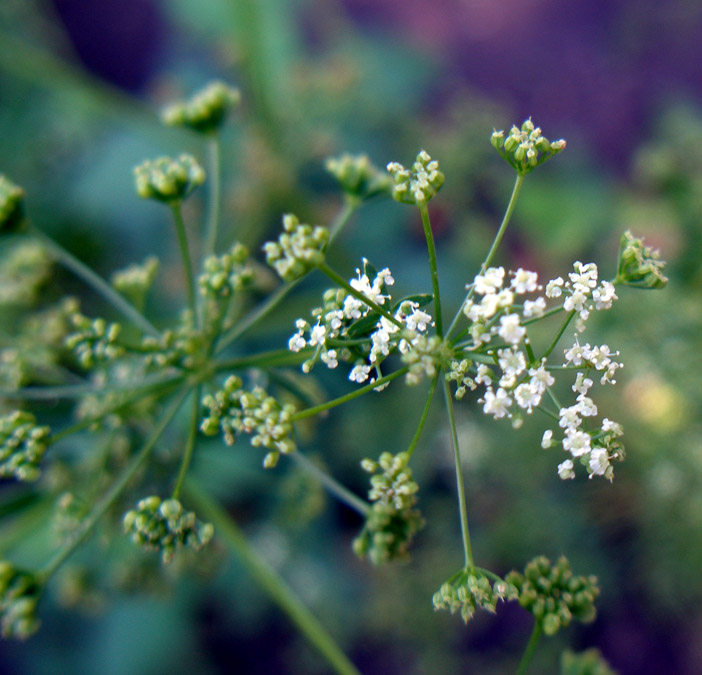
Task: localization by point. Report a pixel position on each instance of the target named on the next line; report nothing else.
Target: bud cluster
(588, 662)
(233, 410)
(19, 594)
(525, 148)
(469, 590)
(418, 184)
(94, 341)
(24, 268)
(166, 527)
(639, 265)
(11, 204)
(136, 280)
(299, 248)
(225, 274)
(184, 346)
(22, 445)
(206, 110)
(553, 594)
(358, 176)
(392, 521)
(168, 180)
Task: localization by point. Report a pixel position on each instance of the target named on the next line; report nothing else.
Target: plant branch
(426, 224)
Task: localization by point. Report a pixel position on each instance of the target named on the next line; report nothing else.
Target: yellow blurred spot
(656, 403)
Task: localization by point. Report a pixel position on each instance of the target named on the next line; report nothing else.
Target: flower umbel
(525, 148)
(206, 110)
(168, 180)
(22, 445)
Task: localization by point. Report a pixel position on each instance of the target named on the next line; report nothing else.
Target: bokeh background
(621, 80)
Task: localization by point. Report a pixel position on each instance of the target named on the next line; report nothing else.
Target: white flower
(610, 427)
(490, 281)
(547, 440)
(565, 470)
(317, 335)
(484, 375)
(496, 404)
(554, 288)
(296, 343)
(524, 281)
(510, 329)
(511, 361)
(534, 308)
(359, 373)
(418, 320)
(598, 462)
(582, 384)
(585, 276)
(604, 295)
(586, 406)
(541, 379)
(576, 353)
(527, 397)
(330, 358)
(577, 443)
(569, 417)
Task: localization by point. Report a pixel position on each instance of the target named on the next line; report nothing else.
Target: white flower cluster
(514, 381)
(349, 330)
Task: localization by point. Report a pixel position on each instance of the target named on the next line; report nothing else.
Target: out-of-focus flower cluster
(22, 445)
(19, 594)
(11, 204)
(358, 177)
(168, 180)
(206, 110)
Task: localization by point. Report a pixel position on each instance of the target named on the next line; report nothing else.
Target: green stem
(269, 581)
(273, 300)
(467, 550)
(530, 649)
(332, 485)
(340, 281)
(161, 387)
(275, 357)
(78, 390)
(81, 270)
(185, 255)
(311, 412)
(190, 443)
(215, 175)
(495, 243)
(562, 329)
(426, 224)
(425, 413)
(114, 492)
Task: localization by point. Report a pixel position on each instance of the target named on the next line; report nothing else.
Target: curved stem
(215, 175)
(81, 270)
(114, 492)
(269, 580)
(332, 485)
(185, 255)
(425, 413)
(426, 224)
(530, 649)
(190, 443)
(311, 412)
(495, 243)
(340, 281)
(467, 550)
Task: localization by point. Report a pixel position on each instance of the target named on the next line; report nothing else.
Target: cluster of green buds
(639, 265)
(166, 526)
(525, 148)
(423, 356)
(358, 177)
(588, 662)
(183, 347)
(168, 180)
(392, 520)
(225, 274)
(418, 184)
(206, 110)
(554, 595)
(459, 373)
(299, 248)
(24, 269)
(19, 594)
(94, 341)
(470, 589)
(22, 445)
(233, 410)
(136, 280)
(11, 204)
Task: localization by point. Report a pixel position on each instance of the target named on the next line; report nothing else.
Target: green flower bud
(299, 248)
(168, 180)
(19, 594)
(357, 175)
(22, 446)
(639, 265)
(418, 184)
(206, 110)
(525, 148)
(11, 205)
